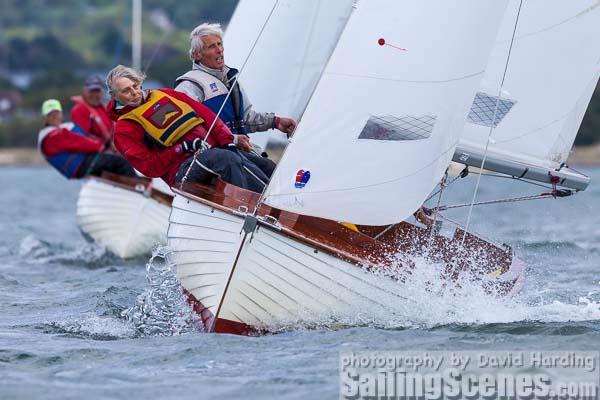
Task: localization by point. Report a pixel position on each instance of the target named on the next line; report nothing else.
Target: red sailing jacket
(62, 139)
(94, 121)
(157, 162)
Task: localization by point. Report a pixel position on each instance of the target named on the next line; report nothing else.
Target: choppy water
(76, 321)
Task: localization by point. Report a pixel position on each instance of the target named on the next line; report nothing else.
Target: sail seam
(405, 80)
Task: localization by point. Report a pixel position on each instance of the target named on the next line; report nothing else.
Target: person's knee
(221, 159)
(230, 157)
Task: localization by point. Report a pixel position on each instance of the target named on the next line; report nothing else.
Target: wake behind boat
(129, 216)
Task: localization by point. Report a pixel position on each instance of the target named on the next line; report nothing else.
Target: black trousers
(95, 164)
(231, 166)
(266, 165)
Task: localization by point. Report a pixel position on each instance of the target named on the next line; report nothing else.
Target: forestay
(385, 118)
(291, 53)
(551, 74)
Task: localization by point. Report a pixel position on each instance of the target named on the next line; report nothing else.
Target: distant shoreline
(20, 156)
(588, 156)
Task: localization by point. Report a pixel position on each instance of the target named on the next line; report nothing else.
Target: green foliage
(589, 132)
(62, 41)
(36, 54)
(21, 131)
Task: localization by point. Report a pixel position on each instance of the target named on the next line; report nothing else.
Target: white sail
(287, 61)
(551, 74)
(386, 115)
(290, 55)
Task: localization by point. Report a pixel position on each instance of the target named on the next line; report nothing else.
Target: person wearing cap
(210, 81)
(160, 131)
(89, 112)
(71, 151)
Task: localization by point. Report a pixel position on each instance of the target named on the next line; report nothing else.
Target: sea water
(76, 321)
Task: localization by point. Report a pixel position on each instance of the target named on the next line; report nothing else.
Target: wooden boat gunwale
(132, 184)
(359, 248)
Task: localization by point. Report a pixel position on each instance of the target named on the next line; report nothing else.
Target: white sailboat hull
(203, 242)
(273, 280)
(125, 221)
(279, 281)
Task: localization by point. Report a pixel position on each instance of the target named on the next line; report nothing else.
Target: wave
(90, 327)
(431, 302)
(89, 255)
(425, 301)
(162, 309)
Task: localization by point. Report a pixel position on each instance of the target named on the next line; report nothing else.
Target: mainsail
(385, 117)
(552, 67)
(288, 59)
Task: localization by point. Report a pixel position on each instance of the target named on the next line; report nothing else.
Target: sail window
(484, 106)
(390, 127)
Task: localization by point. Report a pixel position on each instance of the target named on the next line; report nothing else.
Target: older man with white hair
(210, 82)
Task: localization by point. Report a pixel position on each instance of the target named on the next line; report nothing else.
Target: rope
(461, 175)
(498, 201)
(516, 178)
(487, 144)
(228, 94)
(436, 209)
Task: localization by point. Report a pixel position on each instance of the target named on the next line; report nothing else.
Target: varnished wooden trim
(133, 184)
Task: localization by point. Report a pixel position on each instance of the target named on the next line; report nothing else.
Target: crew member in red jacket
(74, 154)
(89, 113)
(158, 132)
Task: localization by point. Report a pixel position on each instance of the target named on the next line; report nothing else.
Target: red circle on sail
(381, 41)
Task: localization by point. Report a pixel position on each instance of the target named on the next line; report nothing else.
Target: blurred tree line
(55, 44)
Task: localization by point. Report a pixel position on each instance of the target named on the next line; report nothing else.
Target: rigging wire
(235, 82)
(157, 47)
(447, 185)
(505, 200)
(487, 144)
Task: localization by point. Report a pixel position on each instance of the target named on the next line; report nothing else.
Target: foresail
(291, 53)
(386, 115)
(551, 74)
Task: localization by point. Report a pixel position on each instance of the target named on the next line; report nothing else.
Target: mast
(136, 34)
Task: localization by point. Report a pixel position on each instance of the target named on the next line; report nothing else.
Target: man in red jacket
(89, 112)
(158, 132)
(74, 154)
